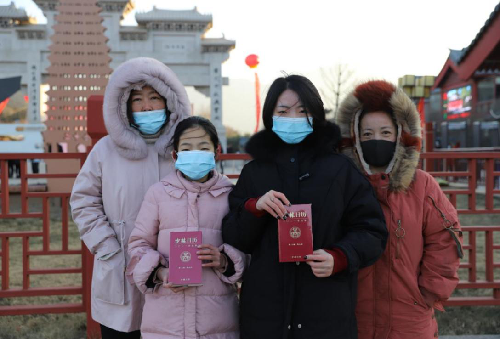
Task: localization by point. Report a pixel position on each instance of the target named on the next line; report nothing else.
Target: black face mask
(378, 153)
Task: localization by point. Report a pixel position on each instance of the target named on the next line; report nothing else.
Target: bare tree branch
(337, 82)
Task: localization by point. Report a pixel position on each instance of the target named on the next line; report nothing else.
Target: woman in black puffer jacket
(295, 162)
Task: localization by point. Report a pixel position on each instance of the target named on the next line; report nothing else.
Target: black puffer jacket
(285, 300)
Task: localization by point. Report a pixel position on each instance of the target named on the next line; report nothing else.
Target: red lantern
(252, 60)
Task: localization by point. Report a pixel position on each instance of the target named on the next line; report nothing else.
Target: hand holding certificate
(295, 234)
(321, 263)
(185, 269)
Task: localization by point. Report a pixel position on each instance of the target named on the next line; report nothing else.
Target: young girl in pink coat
(193, 198)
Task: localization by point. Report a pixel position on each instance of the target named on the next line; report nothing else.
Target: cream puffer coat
(111, 185)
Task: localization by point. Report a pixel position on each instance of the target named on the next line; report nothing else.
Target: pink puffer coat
(174, 205)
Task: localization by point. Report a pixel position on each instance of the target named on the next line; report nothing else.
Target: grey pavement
(482, 336)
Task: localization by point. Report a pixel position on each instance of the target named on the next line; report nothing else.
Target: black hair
(307, 92)
(192, 122)
(131, 119)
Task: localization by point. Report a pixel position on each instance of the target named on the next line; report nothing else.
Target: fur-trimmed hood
(266, 145)
(402, 167)
(135, 74)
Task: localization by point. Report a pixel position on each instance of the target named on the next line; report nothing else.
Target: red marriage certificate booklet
(295, 234)
(184, 265)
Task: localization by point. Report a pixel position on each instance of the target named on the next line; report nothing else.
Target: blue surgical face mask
(195, 164)
(292, 130)
(150, 122)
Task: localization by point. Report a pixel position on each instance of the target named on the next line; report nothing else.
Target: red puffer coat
(418, 270)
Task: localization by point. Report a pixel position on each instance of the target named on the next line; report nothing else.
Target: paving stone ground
(493, 336)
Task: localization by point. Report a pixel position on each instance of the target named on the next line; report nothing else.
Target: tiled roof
(32, 27)
(173, 15)
(218, 42)
(11, 11)
(457, 56)
(132, 29)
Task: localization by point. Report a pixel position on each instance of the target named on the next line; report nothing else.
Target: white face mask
(195, 164)
(150, 122)
(292, 130)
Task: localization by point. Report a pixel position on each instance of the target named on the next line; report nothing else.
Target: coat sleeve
(88, 211)
(143, 244)
(241, 228)
(239, 262)
(442, 247)
(364, 222)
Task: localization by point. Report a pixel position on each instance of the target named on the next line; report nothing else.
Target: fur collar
(406, 157)
(266, 145)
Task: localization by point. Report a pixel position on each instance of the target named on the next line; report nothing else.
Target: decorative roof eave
(456, 55)
(217, 45)
(465, 51)
(217, 42)
(495, 71)
(133, 33)
(46, 5)
(474, 56)
(132, 29)
(177, 16)
(122, 6)
(449, 65)
(12, 12)
(128, 8)
(465, 62)
(178, 27)
(32, 28)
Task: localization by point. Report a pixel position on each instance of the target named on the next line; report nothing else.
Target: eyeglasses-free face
(146, 99)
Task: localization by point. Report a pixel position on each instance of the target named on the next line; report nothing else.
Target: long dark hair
(191, 122)
(307, 92)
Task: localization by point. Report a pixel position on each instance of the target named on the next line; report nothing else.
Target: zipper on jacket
(400, 233)
(448, 225)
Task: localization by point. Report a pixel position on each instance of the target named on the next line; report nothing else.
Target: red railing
(486, 164)
(472, 281)
(25, 192)
(479, 265)
(464, 181)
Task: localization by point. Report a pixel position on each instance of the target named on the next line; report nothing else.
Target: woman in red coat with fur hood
(418, 270)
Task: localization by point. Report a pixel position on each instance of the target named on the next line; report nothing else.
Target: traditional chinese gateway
(175, 37)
